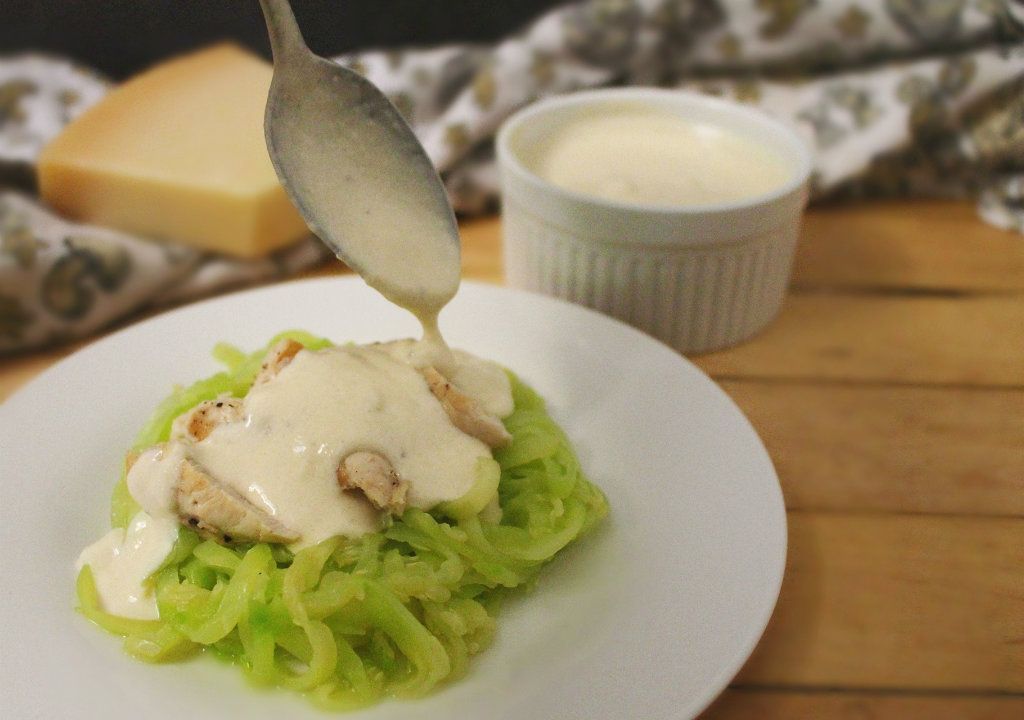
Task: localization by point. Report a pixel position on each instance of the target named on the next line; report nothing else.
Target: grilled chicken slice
(216, 511)
(374, 476)
(199, 422)
(465, 412)
(276, 359)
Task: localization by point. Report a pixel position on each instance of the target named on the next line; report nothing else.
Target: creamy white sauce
(640, 154)
(321, 407)
(122, 560)
(296, 429)
(482, 380)
(401, 242)
(284, 453)
(153, 478)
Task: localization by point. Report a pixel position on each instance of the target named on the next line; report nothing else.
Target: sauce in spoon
(361, 179)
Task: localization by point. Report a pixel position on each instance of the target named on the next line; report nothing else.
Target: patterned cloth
(900, 97)
(61, 280)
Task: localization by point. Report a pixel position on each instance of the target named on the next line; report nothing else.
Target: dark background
(119, 37)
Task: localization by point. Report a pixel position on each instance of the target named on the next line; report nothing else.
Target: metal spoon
(357, 174)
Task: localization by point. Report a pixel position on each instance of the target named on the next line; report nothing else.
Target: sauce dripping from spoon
(361, 180)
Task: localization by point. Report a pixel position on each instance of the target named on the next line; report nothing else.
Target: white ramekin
(697, 277)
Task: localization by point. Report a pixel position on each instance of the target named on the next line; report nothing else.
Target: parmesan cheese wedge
(177, 154)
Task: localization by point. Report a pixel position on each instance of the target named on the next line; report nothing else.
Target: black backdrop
(119, 37)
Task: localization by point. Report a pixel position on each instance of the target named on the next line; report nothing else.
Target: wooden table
(890, 393)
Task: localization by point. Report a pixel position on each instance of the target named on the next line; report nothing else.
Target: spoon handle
(285, 35)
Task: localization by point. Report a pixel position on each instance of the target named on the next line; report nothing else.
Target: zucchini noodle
(350, 621)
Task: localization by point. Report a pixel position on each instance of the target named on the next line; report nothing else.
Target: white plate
(648, 618)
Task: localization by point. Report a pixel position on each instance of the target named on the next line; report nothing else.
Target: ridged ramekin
(696, 277)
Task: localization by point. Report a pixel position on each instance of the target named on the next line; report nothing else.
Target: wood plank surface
(962, 341)
(891, 449)
(744, 704)
(907, 244)
(481, 250)
(897, 601)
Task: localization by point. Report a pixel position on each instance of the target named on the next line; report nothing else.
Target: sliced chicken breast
(219, 512)
(199, 422)
(372, 474)
(277, 359)
(465, 412)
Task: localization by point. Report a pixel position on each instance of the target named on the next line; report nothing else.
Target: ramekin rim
(507, 159)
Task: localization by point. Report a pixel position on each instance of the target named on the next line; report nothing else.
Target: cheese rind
(178, 154)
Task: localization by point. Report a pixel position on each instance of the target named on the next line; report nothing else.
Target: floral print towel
(61, 280)
(899, 97)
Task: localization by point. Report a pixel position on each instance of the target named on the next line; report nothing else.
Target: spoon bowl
(357, 173)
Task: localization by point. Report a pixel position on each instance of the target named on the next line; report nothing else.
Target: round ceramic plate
(648, 617)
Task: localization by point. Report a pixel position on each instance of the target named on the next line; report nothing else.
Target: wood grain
(481, 250)
(791, 705)
(920, 244)
(891, 449)
(897, 601)
(968, 340)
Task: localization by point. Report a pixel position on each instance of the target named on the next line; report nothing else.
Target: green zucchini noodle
(348, 622)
